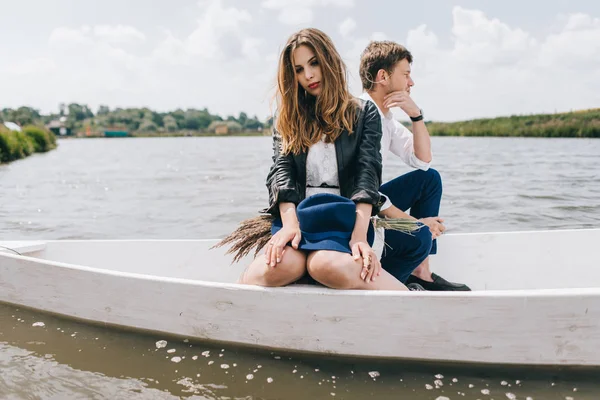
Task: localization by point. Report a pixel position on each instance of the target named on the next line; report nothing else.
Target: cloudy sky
(472, 58)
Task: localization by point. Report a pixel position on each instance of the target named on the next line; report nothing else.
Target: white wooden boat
(536, 298)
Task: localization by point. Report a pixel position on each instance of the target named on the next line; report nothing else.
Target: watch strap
(417, 118)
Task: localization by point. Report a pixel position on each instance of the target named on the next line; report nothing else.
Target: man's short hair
(380, 55)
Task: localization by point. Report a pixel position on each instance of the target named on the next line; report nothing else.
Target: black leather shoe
(415, 287)
(438, 283)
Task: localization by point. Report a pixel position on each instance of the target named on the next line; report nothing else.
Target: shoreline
(170, 134)
(17, 145)
(268, 134)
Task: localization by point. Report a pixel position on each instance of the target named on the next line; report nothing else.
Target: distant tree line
(79, 117)
(584, 123)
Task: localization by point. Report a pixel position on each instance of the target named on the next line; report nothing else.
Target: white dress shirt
(397, 139)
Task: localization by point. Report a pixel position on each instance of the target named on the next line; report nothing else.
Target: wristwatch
(417, 118)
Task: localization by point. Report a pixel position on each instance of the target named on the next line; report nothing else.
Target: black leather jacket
(358, 159)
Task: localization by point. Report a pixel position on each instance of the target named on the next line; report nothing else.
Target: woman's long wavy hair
(302, 119)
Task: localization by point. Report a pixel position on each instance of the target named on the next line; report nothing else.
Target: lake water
(189, 188)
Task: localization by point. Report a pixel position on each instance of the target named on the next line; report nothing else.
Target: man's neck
(378, 98)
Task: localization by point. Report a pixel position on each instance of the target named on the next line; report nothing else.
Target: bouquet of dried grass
(251, 232)
(397, 224)
(256, 232)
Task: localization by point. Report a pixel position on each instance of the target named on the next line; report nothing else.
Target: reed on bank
(32, 139)
(577, 124)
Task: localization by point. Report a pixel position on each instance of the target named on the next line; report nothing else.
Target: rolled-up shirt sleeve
(402, 145)
(387, 203)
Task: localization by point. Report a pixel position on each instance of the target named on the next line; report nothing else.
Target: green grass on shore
(32, 139)
(578, 124)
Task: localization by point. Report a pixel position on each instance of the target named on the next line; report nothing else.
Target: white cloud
(217, 65)
(218, 34)
(347, 27)
(379, 36)
(359, 44)
(119, 33)
(481, 66)
(576, 46)
(496, 69)
(579, 21)
(487, 41)
(250, 47)
(422, 38)
(69, 36)
(34, 66)
(293, 12)
(491, 68)
(171, 50)
(296, 15)
(281, 4)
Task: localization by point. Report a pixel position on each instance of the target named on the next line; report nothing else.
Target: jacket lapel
(339, 152)
(300, 161)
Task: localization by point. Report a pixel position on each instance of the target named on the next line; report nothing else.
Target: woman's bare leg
(291, 268)
(340, 271)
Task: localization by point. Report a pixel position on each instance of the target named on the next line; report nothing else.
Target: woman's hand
(371, 265)
(276, 246)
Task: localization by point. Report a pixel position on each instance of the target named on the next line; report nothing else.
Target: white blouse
(322, 168)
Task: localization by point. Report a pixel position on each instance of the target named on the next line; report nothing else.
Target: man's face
(400, 77)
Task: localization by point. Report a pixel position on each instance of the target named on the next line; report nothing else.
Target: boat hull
(559, 326)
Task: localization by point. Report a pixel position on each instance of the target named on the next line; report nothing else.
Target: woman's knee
(291, 268)
(330, 268)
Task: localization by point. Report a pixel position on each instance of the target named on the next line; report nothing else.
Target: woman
(324, 141)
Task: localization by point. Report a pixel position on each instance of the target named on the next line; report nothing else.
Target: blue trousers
(421, 191)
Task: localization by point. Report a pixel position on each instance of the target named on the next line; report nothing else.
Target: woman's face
(308, 70)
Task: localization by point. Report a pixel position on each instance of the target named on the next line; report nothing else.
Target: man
(385, 69)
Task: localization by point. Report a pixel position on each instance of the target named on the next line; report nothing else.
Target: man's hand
(435, 225)
(403, 100)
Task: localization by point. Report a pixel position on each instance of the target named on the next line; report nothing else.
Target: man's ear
(382, 77)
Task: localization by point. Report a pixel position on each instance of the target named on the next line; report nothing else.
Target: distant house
(59, 128)
(12, 126)
(222, 129)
